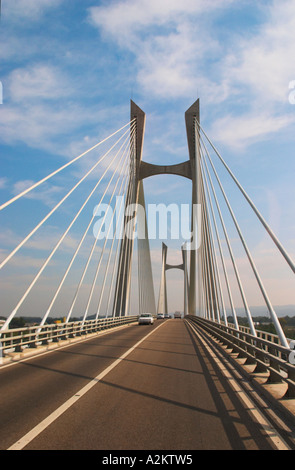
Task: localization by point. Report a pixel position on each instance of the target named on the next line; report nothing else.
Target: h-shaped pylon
(141, 170)
(162, 301)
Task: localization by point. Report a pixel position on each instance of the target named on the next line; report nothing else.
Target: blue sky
(69, 69)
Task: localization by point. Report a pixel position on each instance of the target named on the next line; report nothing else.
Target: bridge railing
(273, 338)
(19, 339)
(263, 352)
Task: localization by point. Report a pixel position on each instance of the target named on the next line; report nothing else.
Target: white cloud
(167, 39)
(241, 131)
(48, 194)
(27, 9)
(35, 125)
(37, 82)
(257, 72)
(172, 41)
(42, 126)
(165, 64)
(45, 104)
(34, 110)
(3, 183)
(263, 63)
(122, 18)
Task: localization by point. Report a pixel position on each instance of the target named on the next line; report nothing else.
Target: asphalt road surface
(138, 388)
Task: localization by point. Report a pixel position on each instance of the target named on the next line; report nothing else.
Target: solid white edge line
(258, 415)
(27, 438)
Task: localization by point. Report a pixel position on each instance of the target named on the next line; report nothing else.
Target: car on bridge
(146, 319)
(160, 316)
(167, 315)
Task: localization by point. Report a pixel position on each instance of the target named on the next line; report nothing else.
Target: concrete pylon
(122, 291)
(192, 116)
(162, 301)
(186, 281)
(139, 170)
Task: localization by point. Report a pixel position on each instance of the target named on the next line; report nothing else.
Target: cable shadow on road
(164, 351)
(227, 419)
(162, 366)
(158, 398)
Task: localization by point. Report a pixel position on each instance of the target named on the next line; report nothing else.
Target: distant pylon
(162, 301)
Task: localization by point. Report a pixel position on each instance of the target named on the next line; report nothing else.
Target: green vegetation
(264, 323)
(18, 322)
(21, 322)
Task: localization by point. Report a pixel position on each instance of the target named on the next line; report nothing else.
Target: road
(138, 388)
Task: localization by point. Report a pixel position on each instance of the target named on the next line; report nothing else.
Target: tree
(17, 322)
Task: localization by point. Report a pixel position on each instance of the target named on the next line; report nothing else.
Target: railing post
(250, 350)
(32, 338)
(43, 334)
(274, 368)
(260, 356)
(291, 382)
(18, 347)
(55, 334)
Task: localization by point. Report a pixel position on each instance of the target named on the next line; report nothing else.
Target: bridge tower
(135, 187)
(162, 301)
(139, 170)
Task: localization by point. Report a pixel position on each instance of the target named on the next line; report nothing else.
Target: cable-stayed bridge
(95, 379)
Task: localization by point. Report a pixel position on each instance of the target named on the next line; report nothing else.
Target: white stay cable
(212, 255)
(58, 205)
(129, 235)
(116, 262)
(13, 313)
(105, 242)
(78, 247)
(111, 249)
(124, 256)
(131, 238)
(92, 250)
(247, 311)
(262, 220)
(220, 249)
(208, 272)
(26, 191)
(273, 315)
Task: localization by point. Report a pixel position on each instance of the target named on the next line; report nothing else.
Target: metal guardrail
(264, 354)
(18, 339)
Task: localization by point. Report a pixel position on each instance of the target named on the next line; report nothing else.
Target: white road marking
(25, 440)
(249, 405)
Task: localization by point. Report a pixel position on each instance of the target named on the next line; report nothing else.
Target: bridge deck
(167, 393)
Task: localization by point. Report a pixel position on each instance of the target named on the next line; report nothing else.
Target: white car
(160, 315)
(146, 319)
